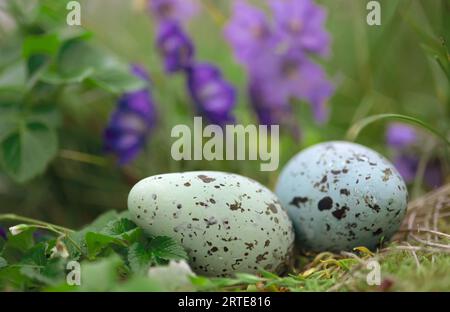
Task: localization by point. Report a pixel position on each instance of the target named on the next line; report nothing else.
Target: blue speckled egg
(341, 195)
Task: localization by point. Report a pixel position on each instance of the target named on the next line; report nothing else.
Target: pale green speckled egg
(341, 195)
(227, 223)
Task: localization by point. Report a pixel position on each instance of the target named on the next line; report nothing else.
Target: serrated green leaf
(123, 229)
(119, 227)
(139, 257)
(163, 247)
(97, 242)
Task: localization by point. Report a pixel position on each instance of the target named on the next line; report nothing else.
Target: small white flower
(17, 229)
(60, 250)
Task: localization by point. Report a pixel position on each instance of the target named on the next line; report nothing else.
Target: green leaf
(122, 228)
(14, 77)
(40, 44)
(157, 250)
(139, 257)
(52, 273)
(21, 242)
(97, 242)
(163, 247)
(116, 80)
(3, 262)
(26, 152)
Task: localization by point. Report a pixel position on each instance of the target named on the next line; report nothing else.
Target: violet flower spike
(213, 96)
(175, 47)
(131, 122)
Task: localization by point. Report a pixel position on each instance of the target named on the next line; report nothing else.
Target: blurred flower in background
(399, 135)
(249, 32)
(277, 56)
(214, 97)
(300, 24)
(173, 10)
(131, 122)
(175, 47)
(3, 233)
(405, 141)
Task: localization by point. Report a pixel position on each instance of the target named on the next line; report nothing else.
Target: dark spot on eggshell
(374, 207)
(325, 203)
(206, 179)
(261, 257)
(298, 200)
(249, 246)
(340, 213)
(345, 192)
(187, 184)
(378, 232)
(267, 243)
(236, 206)
(272, 208)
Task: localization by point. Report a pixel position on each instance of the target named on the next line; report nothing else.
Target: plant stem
(83, 157)
(14, 217)
(354, 131)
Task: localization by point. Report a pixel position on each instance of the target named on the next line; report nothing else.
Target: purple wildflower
(276, 56)
(214, 97)
(249, 32)
(408, 165)
(399, 135)
(131, 122)
(175, 46)
(271, 113)
(3, 233)
(292, 75)
(405, 141)
(301, 24)
(173, 10)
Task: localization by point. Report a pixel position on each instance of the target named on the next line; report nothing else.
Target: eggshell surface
(227, 223)
(341, 195)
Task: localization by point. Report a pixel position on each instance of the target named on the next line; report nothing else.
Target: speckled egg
(340, 195)
(227, 223)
